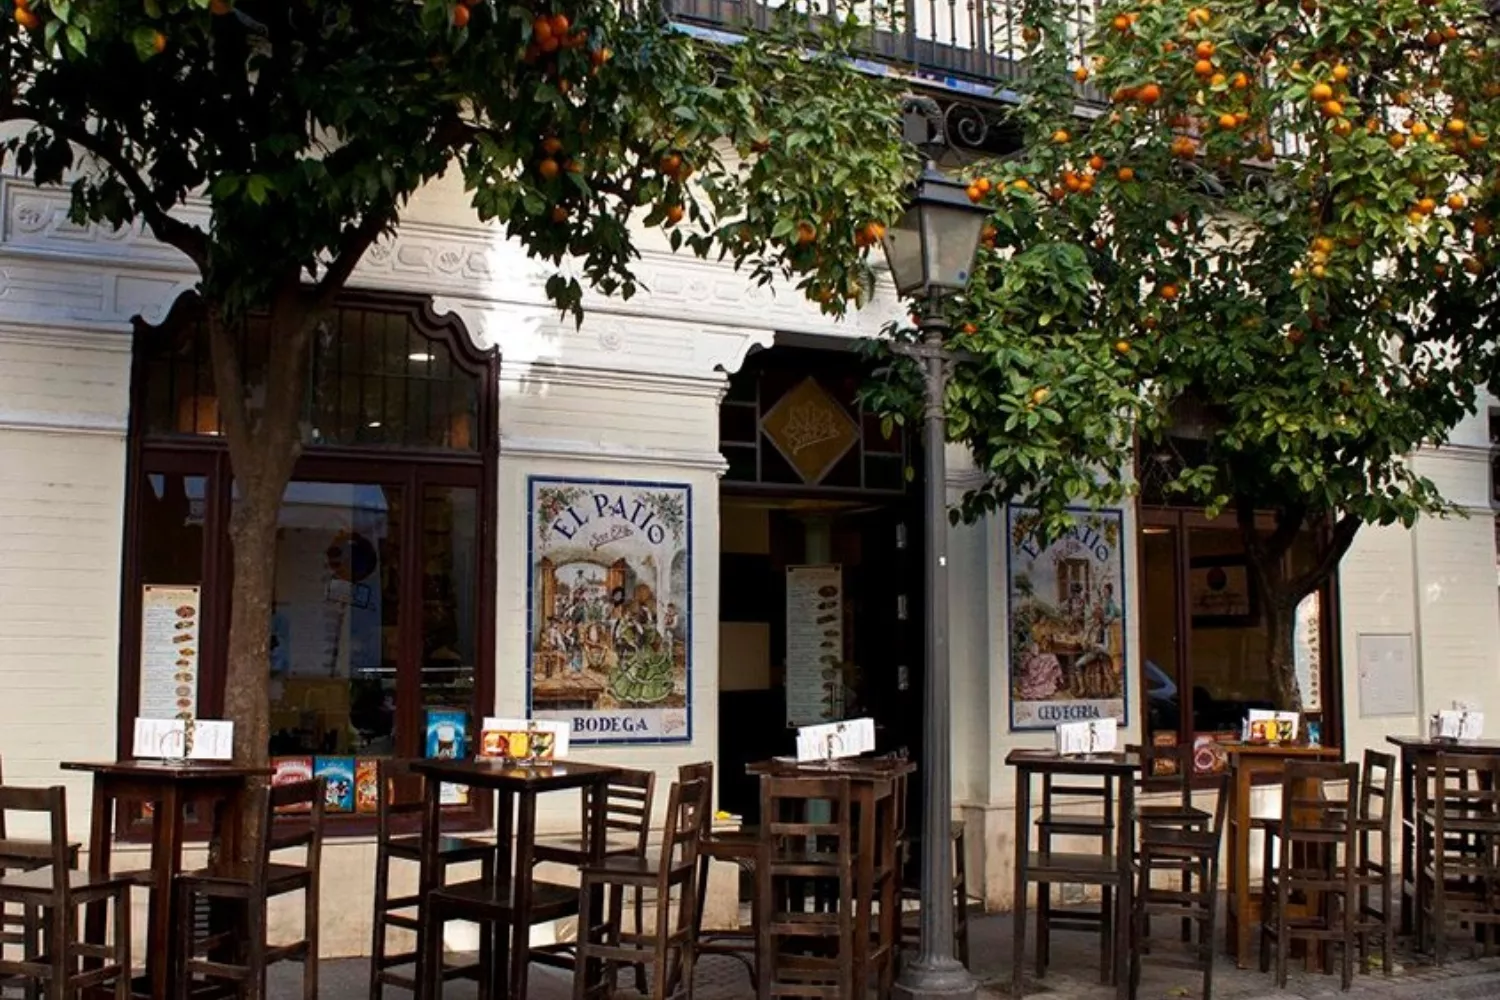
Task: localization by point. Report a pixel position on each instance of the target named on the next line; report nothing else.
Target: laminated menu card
(836, 740)
(1093, 736)
(524, 739)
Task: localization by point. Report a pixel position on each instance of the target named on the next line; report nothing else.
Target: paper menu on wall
(814, 644)
(170, 634)
(836, 740)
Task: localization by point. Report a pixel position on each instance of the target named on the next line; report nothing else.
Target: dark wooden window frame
(1181, 519)
(409, 469)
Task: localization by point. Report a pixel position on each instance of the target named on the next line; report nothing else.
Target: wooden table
(169, 788)
(515, 823)
(1251, 764)
(875, 785)
(1120, 767)
(1413, 751)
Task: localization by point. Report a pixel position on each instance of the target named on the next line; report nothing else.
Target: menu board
(1305, 651)
(170, 619)
(814, 644)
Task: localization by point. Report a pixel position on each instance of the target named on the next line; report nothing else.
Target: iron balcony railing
(974, 46)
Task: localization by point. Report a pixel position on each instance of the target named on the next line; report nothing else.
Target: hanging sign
(1067, 620)
(609, 637)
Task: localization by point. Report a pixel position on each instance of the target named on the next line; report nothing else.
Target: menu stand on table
(169, 788)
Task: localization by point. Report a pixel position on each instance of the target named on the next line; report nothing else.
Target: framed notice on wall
(609, 641)
(1067, 620)
(170, 640)
(814, 644)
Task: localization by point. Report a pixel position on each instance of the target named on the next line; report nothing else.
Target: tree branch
(191, 240)
(352, 247)
(1339, 541)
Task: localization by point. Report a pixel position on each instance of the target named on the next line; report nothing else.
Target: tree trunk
(1281, 657)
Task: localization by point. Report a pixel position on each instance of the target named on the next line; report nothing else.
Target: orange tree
(303, 126)
(1270, 260)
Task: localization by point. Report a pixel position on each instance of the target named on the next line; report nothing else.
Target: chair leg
(1043, 927)
(185, 944)
(62, 953)
(377, 941)
(122, 944)
(310, 933)
(255, 939)
(639, 908)
(582, 954)
(31, 924)
(1206, 925)
(431, 947)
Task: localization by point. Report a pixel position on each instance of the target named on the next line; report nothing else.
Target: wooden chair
(1312, 853)
(251, 886)
(1377, 909)
(1459, 819)
(1096, 865)
(1170, 769)
(50, 896)
(628, 800)
(805, 949)
(18, 854)
(1180, 843)
(669, 947)
(400, 795)
(740, 848)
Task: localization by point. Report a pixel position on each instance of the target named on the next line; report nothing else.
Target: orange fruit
(969, 329)
(1203, 67)
(670, 164)
(1457, 126)
(1039, 395)
(1240, 81)
(1397, 140)
(1169, 292)
(1483, 226)
(1081, 74)
(806, 233)
(559, 214)
(552, 145)
(1450, 33)
(1072, 181)
(1061, 136)
(460, 16)
(219, 7)
(1096, 162)
(1204, 50)
(1341, 72)
(975, 195)
(1199, 16)
(601, 56)
(1217, 80)
(1319, 271)
(27, 19)
(1227, 120)
(983, 184)
(1122, 346)
(1457, 202)
(560, 25)
(1418, 129)
(1121, 23)
(1126, 175)
(1149, 94)
(1473, 265)
(1321, 92)
(876, 232)
(158, 42)
(1021, 184)
(548, 169)
(1415, 217)
(541, 28)
(1477, 141)
(1343, 128)
(1426, 206)
(674, 214)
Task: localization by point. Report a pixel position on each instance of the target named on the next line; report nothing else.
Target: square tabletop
(1051, 761)
(1428, 744)
(866, 768)
(508, 776)
(168, 771)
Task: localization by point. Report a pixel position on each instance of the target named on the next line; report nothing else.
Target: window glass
(1228, 638)
(450, 585)
(1159, 639)
(172, 516)
(334, 624)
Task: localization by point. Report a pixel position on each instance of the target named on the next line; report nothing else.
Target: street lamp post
(931, 254)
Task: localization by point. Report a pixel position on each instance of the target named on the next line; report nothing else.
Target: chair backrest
(1168, 767)
(1467, 787)
(400, 791)
(1055, 786)
(301, 827)
(703, 772)
(1313, 809)
(1376, 787)
(52, 801)
(627, 806)
(784, 816)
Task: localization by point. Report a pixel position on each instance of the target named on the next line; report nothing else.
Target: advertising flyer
(610, 609)
(1067, 620)
(814, 644)
(169, 652)
(339, 773)
(448, 739)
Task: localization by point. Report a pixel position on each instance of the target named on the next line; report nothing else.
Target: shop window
(384, 589)
(1204, 638)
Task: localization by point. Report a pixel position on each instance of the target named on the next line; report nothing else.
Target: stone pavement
(1073, 976)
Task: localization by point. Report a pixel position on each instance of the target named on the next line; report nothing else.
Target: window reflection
(450, 519)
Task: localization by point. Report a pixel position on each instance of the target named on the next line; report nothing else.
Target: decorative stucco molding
(62, 423)
(610, 454)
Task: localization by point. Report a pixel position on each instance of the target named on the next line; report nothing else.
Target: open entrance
(820, 565)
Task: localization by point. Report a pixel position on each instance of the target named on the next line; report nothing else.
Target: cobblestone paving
(1073, 977)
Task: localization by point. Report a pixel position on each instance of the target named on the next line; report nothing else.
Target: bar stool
(50, 896)
(628, 800)
(1171, 769)
(669, 948)
(1375, 870)
(1312, 851)
(23, 855)
(254, 885)
(1097, 866)
(805, 949)
(399, 794)
(1183, 844)
(1460, 828)
(741, 848)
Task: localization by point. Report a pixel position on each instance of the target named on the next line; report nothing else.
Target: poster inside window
(1067, 619)
(610, 608)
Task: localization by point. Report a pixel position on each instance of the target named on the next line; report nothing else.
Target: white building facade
(725, 411)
